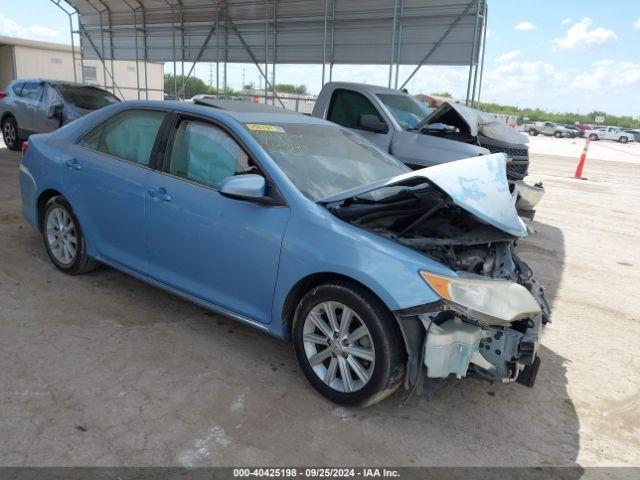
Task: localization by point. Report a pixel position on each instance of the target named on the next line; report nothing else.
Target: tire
(10, 134)
(558, 134)
(533, 132)
(593, 137)
(382, 343)
(623, 139)
(59, 223)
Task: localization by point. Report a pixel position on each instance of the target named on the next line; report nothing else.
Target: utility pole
(243, 75)
(211, 75)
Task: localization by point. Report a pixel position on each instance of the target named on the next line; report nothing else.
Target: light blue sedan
(302, 229)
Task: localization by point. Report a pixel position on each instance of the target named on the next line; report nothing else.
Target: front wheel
(593, 137)
(557, 135)
(348, 345)
(63, 238)
(623, 140)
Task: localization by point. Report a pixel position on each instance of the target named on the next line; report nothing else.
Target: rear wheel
(10, 133)
(534, 133)
(347, 344)
(623, 140)
(63, 238)
(593, 137)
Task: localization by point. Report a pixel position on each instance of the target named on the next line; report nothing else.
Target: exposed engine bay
(456, 341)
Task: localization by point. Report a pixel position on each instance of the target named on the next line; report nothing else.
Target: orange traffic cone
(583, 158)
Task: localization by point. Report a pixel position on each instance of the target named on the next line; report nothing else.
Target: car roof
(55, 82)
(240, 116)
(372, 88)
(237, 106)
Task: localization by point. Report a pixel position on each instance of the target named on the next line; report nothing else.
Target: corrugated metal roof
(293, 31)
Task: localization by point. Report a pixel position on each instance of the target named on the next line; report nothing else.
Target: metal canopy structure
(271, 32)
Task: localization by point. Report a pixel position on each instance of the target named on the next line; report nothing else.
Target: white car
(610, 133)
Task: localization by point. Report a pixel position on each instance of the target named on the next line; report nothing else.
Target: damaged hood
(477, 122)
(478, 185)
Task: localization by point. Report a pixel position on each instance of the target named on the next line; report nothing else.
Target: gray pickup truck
(406, 128)
(549, 129)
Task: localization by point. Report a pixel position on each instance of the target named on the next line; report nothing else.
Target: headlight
(492, 301)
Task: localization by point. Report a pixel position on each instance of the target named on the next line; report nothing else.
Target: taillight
(25, 147)
(2, 95)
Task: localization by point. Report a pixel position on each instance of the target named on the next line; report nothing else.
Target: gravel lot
(106, 370)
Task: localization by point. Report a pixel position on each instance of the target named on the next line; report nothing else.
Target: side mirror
(244, 187)
(372, 123)
(54, 110)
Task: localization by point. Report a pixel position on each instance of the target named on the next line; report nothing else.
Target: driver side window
(205, 154)
(346, 106)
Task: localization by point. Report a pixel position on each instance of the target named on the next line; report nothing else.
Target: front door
(26, 104)
(106, 175)
(222, 250)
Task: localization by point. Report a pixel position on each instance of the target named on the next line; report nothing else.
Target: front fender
(388, 269)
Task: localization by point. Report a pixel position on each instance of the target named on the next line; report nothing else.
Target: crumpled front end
(488, 322)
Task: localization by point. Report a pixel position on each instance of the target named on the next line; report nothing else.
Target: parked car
(610, 133)
(635, 133)
(302, 229)
(549, 129)
(574, 131)
(30, 106)
(404, 127)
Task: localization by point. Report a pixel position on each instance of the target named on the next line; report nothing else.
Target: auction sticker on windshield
(259, 127)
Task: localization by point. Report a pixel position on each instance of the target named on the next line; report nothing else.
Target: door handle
(160, 193)
(72, 163)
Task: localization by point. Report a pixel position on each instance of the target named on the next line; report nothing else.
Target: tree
(442, 94)
(290, 88)
(193, 86)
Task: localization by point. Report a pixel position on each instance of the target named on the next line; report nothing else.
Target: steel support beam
(473, 53)
(484, 44)
(438, 43)
(83, 32)
(255, 61)
(71, 34)
(200, 52)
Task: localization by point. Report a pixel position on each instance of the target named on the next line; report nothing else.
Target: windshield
(322, 160)
(89, 98)
(407, 110)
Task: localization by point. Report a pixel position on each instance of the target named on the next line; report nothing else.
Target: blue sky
(557, 55)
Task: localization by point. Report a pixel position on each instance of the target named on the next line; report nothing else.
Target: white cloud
(565, 21)
(10, 28)
(525, 26)
(609, 76)
(636, 24)
(508, 56)
(579, 38)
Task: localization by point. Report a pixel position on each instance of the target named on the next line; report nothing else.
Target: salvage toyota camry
(302, 229)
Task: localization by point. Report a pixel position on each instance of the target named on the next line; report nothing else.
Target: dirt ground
(105, 370)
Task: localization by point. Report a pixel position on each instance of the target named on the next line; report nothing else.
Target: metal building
(271, 32)
(20, 58)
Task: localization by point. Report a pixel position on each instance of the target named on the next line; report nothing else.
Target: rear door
(345, 108)
(41, 122)
(26, 103)
(106, 177)
(222, 250)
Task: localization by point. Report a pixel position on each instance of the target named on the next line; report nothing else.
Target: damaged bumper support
(528, 196)
(483, 328)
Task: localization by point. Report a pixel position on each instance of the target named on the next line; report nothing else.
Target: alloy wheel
(9, 132)
(62, 236)
(338, 346)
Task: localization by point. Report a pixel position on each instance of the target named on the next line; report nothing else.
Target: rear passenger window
(31, 90)
(17, 88)
(346, 106)
(129, 135)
